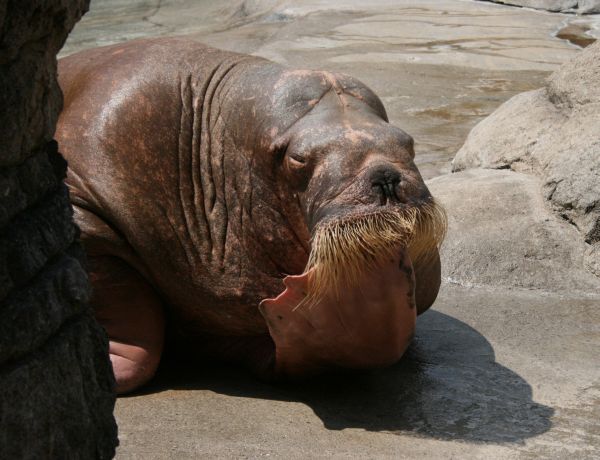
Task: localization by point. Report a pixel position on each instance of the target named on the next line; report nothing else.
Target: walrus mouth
(344, 249)
(354, 305)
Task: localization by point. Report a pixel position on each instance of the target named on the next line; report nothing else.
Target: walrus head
(374, 227)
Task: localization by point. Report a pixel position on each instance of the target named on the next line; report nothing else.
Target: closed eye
(296, 158)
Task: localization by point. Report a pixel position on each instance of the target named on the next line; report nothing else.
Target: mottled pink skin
(197, 177)
(369, 324)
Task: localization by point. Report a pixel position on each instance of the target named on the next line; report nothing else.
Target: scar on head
(355, 135)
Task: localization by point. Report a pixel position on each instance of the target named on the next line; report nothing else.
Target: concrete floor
(493, 372)
(485, 378)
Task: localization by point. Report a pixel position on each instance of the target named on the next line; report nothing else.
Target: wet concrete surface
(493, 373)
(484, 378)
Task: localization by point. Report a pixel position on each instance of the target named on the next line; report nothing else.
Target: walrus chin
(354, 305)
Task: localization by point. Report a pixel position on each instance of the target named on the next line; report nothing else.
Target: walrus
(236, 208)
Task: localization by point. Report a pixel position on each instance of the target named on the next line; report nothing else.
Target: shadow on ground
(448, 386)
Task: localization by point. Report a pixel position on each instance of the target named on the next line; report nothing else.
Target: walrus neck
(258, 227)
(220, 191)
(209, 189)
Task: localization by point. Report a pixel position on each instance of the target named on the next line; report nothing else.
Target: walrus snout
(379, 185)
(385, 182)
(389, 182)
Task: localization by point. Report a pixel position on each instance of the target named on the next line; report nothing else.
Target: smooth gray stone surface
(553, 133)
(503, 234)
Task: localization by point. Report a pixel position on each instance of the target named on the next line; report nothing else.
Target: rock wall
(553, 133)
(56, 382)
(564, 6)
(502, 235)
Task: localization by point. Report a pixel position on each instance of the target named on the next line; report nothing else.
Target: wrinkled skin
(198, 176)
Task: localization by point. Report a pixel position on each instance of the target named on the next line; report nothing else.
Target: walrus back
(134, 133)
(131, 114)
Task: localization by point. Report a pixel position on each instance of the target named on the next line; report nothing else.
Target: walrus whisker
(345, 249)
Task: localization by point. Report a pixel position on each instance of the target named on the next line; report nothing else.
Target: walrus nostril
(385, 182)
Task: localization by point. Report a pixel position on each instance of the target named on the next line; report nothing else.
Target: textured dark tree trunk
(56, 382)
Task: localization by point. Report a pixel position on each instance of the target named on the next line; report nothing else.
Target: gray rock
(581, 7)
(577, 82)
(554, 133)
(501, 234)
(589, 7)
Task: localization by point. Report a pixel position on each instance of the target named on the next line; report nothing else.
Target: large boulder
(502, 234)
(553, 133)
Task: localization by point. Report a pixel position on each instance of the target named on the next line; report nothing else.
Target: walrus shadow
(448, 386)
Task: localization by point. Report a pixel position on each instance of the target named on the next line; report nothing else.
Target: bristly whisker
(344, 249)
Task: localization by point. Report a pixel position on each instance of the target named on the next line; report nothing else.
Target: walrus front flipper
(132, 314)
